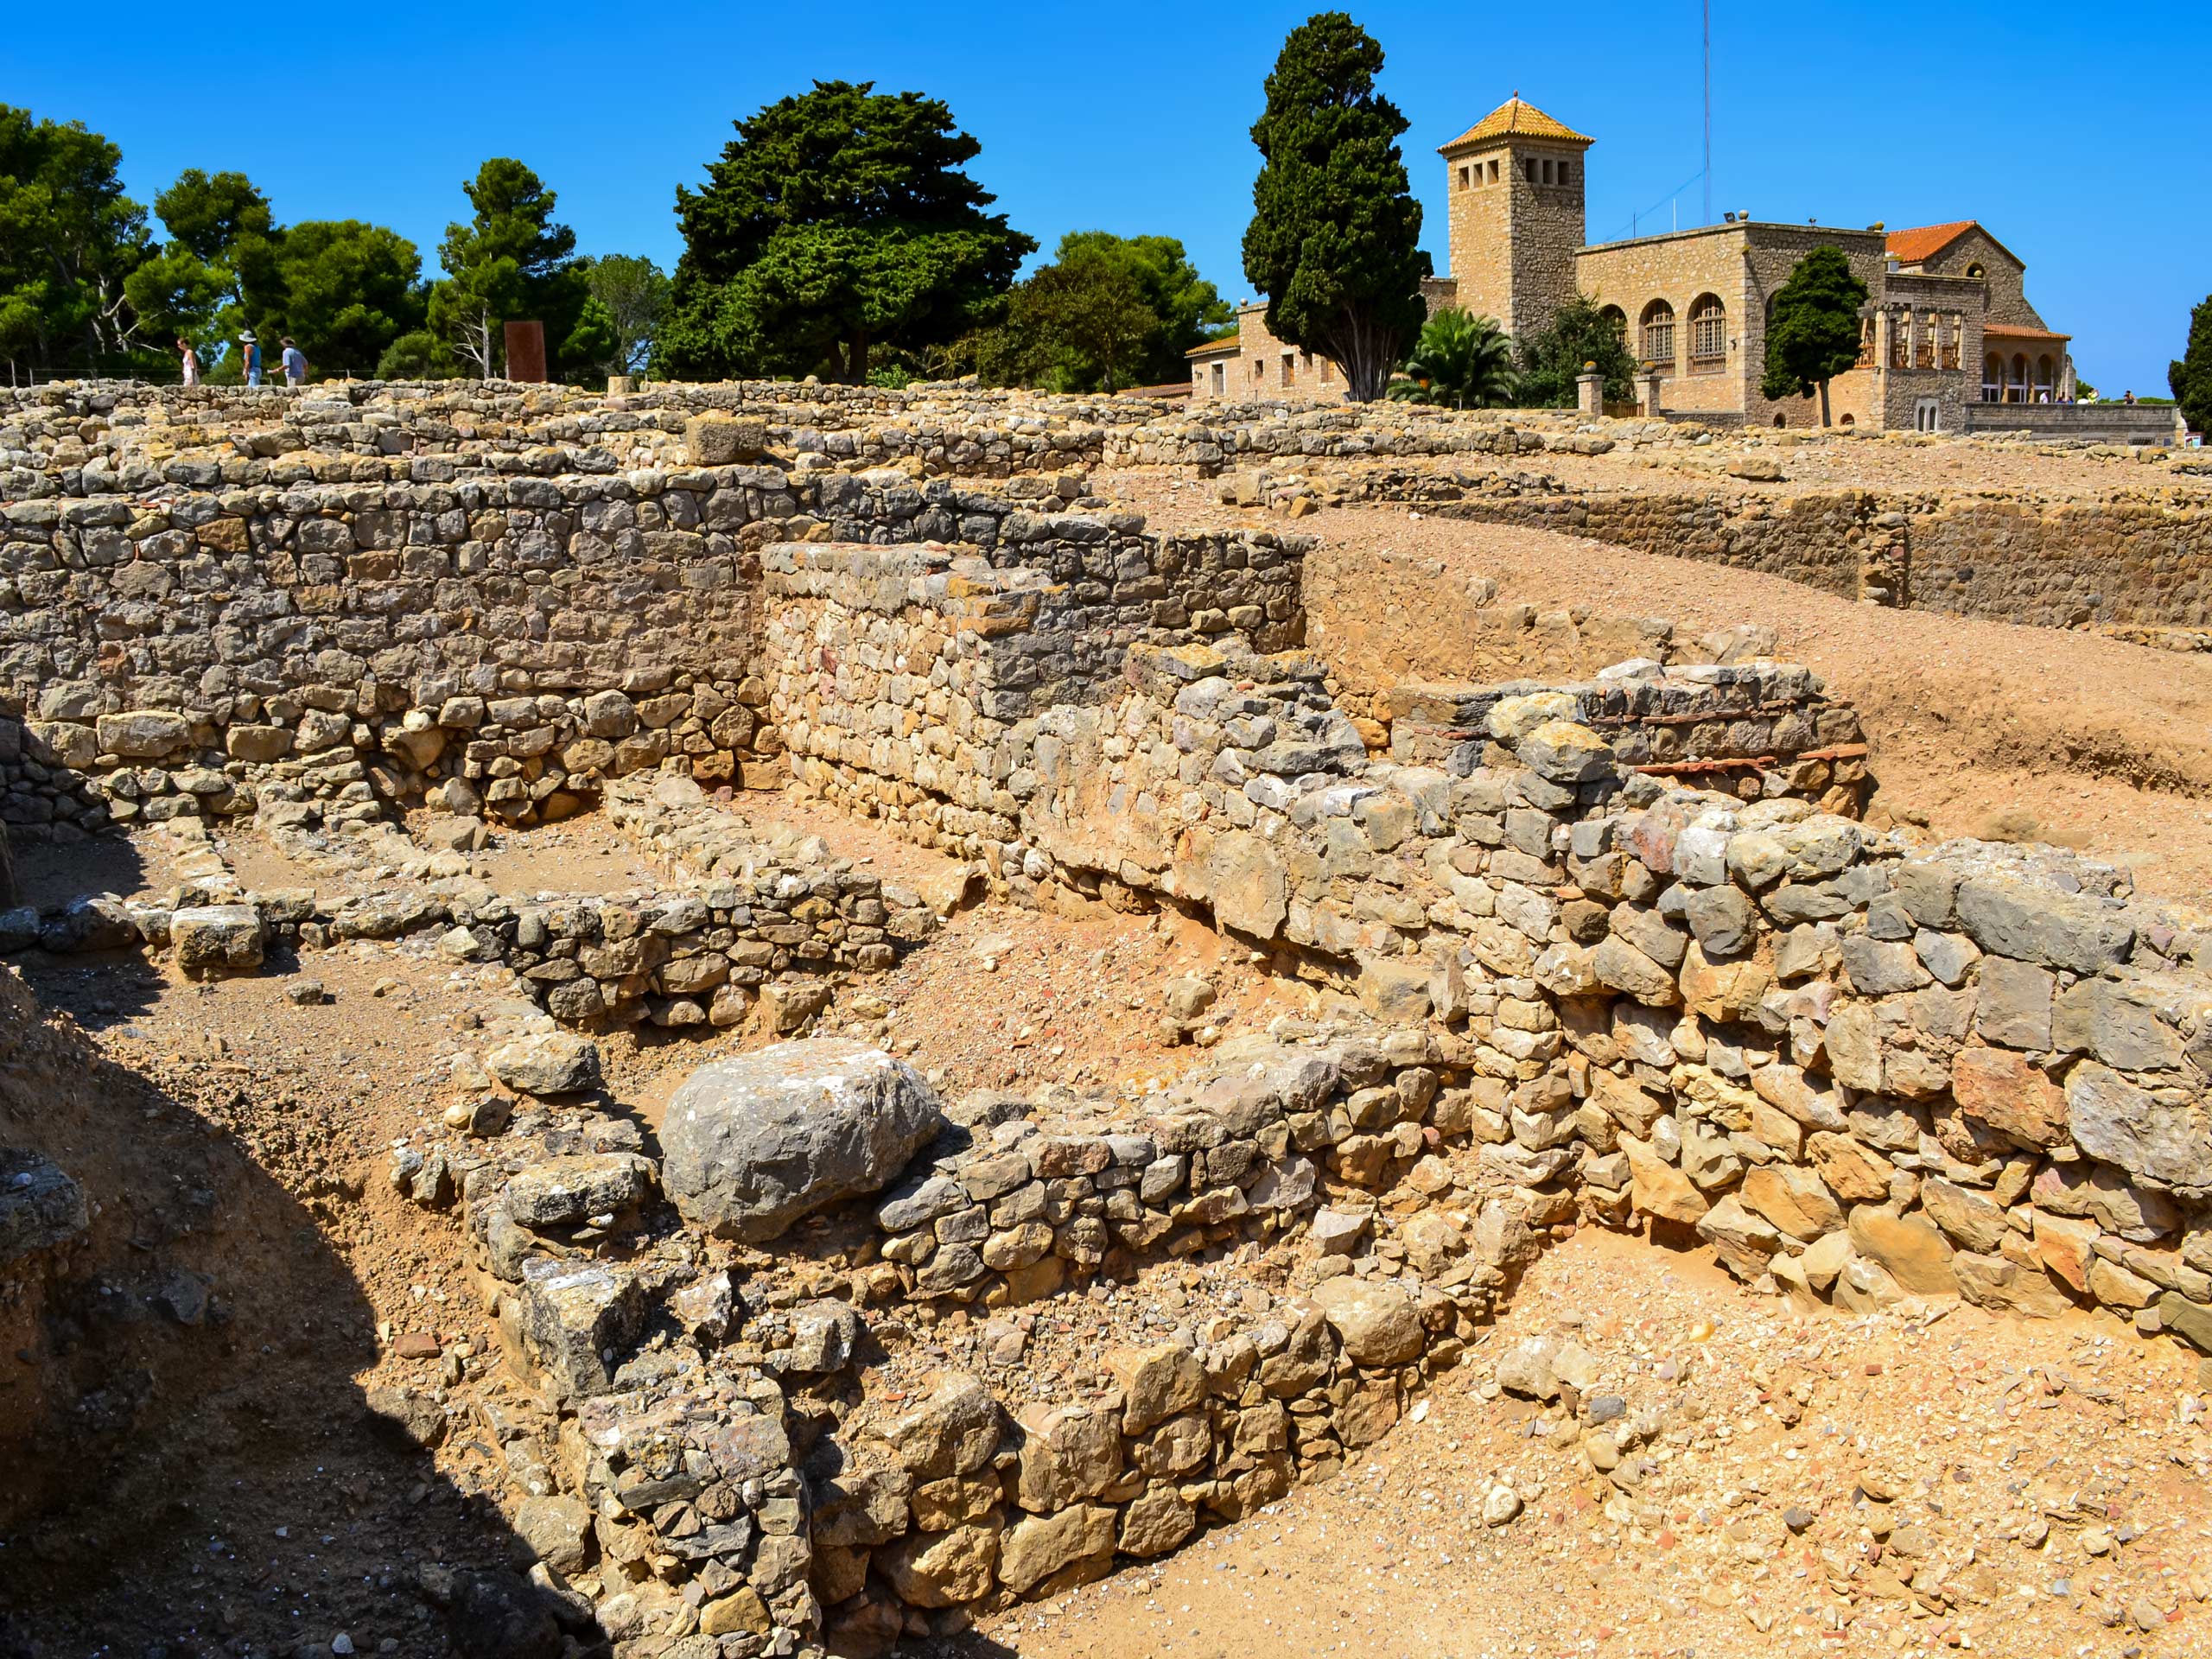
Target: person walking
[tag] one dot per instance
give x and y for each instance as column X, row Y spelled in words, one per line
column 250, row 349
column 190, row 360
column 294, row 363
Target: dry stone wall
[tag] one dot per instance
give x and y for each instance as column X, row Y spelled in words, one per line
column 1722, row 998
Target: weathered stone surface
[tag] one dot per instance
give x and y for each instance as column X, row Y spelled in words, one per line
column 1156, row 1383
column 216, row 938
column 1247, row 884
column 1530, row 1368
column 40, row 1205
column 565, row 1191
column 1377, row 1323
column 1793, row 1198
column 144, row 734
column 2000, row 1283
column 1744, row 1241
column 557, row 1528
column 2006, row 1091
column 1038, row 1547
column 1911, row 1247
column 572, row 1318
column 546, row 1062
column 2067, row 1246
column 1657, row 1187
column 1156, row 1522
column 1965, row 1214
column 2010, row 916
column 754, row 1143
column 2169, row 1141
column 952, row 1430
column 1067, row 1453
column 941, row 1569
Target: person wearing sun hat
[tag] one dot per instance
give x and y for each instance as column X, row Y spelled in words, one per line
column 250, row 350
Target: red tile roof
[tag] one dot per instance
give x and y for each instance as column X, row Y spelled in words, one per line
column 1206, row 348
column 1926, row 241
column 1516, row 119
column 2013, row 331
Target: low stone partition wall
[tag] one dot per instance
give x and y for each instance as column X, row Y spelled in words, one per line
column 2129, row 561
column 1759, row 730
column 747, row 1447
column 752, row 923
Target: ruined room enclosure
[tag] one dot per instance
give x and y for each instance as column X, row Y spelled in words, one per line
column 1197, row 1047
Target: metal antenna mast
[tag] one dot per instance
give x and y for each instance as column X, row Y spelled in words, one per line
column 1708, row 111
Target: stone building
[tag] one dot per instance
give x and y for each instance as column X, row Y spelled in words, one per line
column 1947, row 324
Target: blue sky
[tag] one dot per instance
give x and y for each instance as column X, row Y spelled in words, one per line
column 2062, row 127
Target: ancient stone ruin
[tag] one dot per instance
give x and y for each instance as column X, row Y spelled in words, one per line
column 1619, row 951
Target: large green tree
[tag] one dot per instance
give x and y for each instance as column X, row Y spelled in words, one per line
column 1185, row 306
column 1460, row 361
column 1080, row 324
column 1335, row 238
column 350, row 289
column 2190, row 378
column 837, row 220
column 219, row 271
column 511, row 261
column 1548, row 362
column 1812, row 330
column 633, row 292
column 69, row 240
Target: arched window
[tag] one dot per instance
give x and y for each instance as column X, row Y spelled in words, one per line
column 1992, row 379
column 1615, row 319
column 1846, row 419
column 1975, row 270
column 1659, row 332
column 2019, row 388
column 2046, row 373
column 1708, row 334
column 1781, row 419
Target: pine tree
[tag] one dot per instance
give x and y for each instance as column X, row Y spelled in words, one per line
column 1812, row 333
column 1335, row 237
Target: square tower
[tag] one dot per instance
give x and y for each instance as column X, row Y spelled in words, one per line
column 1513, row 180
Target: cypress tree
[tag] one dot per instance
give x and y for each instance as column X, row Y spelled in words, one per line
column 1813, row 334
column 2190, row 379
column 1335, row 238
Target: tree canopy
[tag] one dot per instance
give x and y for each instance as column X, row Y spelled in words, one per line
column 1335, row 237
column 836, row 219
column 511, row 260
column 1549, row 361
column 2189, row 377
column 1812, row 330
column 1108, row 313
column 69, row 240
column 632, row 292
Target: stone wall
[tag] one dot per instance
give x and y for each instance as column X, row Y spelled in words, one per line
column 1982, row 1017
column 2056, row 565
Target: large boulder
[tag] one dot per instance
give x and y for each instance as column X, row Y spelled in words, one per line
column 751, row 1145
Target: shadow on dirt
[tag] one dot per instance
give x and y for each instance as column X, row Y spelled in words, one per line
column 192, row 1468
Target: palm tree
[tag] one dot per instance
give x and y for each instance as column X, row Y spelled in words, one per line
column 1461, row 361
